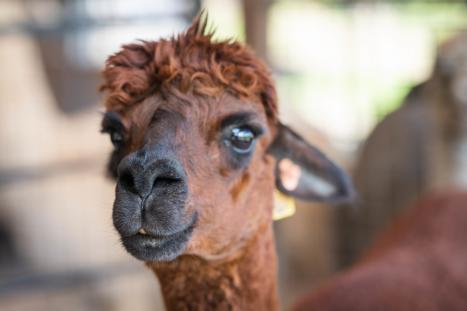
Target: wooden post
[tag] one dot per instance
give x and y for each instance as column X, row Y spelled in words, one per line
column 255, row 13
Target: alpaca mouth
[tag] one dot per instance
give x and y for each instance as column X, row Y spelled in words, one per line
column 149, row 247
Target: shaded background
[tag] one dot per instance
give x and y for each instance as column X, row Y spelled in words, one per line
column 342, row 68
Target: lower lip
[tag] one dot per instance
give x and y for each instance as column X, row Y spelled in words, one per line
column 158, row 248
column 147, row 240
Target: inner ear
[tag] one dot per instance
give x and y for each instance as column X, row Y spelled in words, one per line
column 304, row 172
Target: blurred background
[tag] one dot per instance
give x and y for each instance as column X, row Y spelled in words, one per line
column 381, row 86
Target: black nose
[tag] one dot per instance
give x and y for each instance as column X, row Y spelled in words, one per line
column 152, row 194
column 142, row 176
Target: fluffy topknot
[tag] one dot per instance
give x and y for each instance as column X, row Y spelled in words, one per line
column 191, row 63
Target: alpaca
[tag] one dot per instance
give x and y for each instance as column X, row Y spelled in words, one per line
column 419, row 264
column 418, row 148
column 198, row 151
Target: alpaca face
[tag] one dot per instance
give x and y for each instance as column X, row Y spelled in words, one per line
column 452, row 67
column 193, row 175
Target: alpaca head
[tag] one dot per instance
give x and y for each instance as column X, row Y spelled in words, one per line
column 198, row 148
column 451, row 66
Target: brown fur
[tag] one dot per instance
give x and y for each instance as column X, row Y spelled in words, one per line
column 418, row 264
column 190, row 81
column 246, row 282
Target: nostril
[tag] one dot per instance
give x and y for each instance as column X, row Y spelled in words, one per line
column 127, row 181
column 165, row 181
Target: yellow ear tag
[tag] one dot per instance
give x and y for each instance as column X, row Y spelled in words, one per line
column 284, row 206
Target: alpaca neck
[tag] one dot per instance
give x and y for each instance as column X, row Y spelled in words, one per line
column 245, row 282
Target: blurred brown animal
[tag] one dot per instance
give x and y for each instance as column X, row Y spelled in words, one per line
column 198, row 148
column 419, row 264
column 418, row 148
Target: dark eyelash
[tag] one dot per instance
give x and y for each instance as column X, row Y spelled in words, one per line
column 256, row 129
column 243, row 119
column 106, row 130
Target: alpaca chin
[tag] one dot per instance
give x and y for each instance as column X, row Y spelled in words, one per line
column 157, row 248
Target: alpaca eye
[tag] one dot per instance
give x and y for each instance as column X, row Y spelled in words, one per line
column 242, row 139
column 117, row 139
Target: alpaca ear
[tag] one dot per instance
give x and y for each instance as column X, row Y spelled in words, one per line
column 303, row 172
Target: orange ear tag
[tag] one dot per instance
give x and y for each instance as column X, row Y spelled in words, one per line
column 284, row 206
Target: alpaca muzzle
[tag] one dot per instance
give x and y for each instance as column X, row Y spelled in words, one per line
column 150, row 207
